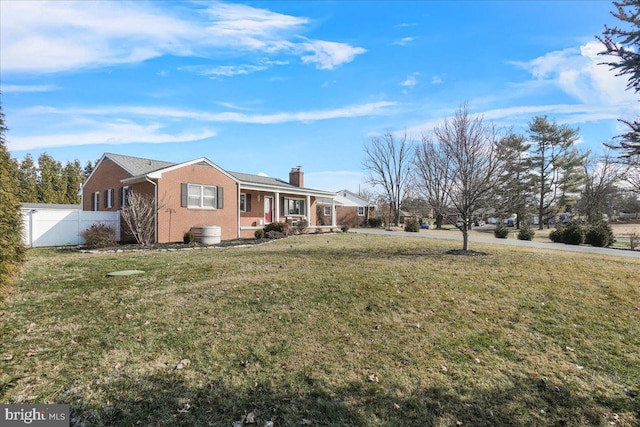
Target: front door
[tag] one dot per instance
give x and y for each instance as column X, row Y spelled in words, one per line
column 268, row 210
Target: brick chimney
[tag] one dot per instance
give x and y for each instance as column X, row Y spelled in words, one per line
column 296, row 176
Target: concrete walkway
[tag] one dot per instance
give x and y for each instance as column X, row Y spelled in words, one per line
column 473, row 237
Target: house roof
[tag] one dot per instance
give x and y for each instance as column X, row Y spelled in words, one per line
column 137, row 165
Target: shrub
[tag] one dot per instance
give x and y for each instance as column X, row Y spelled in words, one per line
column 188, row 237
column 282, row 227
column 599, row 234
column 344, row 228
column 259, row 234
column 556, row 235
column 302, row 225
column 526, row 233
column 573, row 234
column 375, row 222
column 501, row 232
column 100, row 236
column 412, row 226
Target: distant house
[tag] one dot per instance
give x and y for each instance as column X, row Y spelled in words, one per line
column 199, row 192
column 348, row 208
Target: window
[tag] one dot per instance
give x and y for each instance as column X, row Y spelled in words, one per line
column 201, row 196
column 294, row 207
column 327, row 211
column 95, row 201
column 245, row 202
column 124, row 197
column 361, row 211
column 108, row 198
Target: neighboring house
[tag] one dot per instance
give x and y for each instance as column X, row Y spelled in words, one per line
column 198, row 193
column 348, row 209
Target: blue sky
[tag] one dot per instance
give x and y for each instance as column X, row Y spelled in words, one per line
column 265, row 86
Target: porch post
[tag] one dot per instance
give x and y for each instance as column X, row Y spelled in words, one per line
column 333, row 212
column 308, row 213
column 277, row 206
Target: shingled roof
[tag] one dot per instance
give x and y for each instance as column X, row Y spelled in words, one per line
column 137, row 165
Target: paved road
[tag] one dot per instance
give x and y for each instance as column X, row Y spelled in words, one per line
column 457, row 235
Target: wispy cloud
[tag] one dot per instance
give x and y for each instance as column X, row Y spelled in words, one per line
column 104, row 125
column 404, row 41
column 411, row 80
column 67, row 36
column 230, row 70
column 436, row 80
column 27, row 88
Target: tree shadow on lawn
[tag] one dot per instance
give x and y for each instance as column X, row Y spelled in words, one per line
column 166, row 400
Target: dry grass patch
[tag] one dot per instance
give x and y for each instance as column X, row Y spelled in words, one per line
column 332, row 330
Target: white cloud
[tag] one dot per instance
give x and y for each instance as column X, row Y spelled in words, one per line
column 27, row 88
column 436, row 80
column 107, row 133
column 104, row 125
column 329, row 55
column 579, row 73
column 67, row 36
column 404, row 41
column 411, row 80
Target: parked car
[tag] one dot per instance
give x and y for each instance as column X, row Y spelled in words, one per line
column 424, row 225
column 478, row 222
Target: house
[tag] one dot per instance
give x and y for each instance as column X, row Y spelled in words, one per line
column 200, row 193
column 348, row 208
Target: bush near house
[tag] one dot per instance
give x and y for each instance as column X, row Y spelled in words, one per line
column 277, row 230
column 501, row 232
column 375, row 222
column 100, row 236
column 599, row 234
column 573, row 234
column 526, row 233
column 412, row 225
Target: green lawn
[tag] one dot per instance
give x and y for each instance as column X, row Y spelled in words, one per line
column 321, row 330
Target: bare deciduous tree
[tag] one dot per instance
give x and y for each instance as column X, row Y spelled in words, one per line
column 140, row 217
column 602, row 176
column 463, row 154
column 388, row 163
column 432, row 174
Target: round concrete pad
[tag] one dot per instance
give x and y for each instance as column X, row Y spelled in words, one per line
column 124, row 273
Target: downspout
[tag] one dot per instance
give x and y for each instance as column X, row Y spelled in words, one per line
column 238, row 209
column 155, row 214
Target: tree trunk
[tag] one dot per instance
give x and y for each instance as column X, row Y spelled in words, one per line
column 465, row 239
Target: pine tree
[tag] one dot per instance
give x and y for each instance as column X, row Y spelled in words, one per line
column 74, row 176
column 552, row 159
column 515, row 189
column 52, row 185
column 28, row 178
column 11, row 248
column 624, row 44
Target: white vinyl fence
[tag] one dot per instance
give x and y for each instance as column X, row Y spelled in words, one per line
column 61, row 225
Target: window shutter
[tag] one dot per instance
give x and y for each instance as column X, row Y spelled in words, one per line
column 112, row 195
column 106, row 198
column 184, row 195
column 220, row 198
column 93, row 202
column 97, row 201
column 247, row 203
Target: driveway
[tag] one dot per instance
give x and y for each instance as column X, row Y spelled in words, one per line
column 473, row 237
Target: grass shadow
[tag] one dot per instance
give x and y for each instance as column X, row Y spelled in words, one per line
column 168, row 400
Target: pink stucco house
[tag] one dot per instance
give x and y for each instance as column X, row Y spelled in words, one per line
column 198, row 193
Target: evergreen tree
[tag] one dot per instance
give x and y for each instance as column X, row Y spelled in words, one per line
column 515, row 189
column 52, row 185
column 623, row 43
column 11, row 247
column 553, row 158
column 74, row 175
column 28, row 179
column 88, row 168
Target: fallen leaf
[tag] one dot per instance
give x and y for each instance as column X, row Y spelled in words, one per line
column 250, row 418
column 268, row 424
column 444, row 369
column 183, row 364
